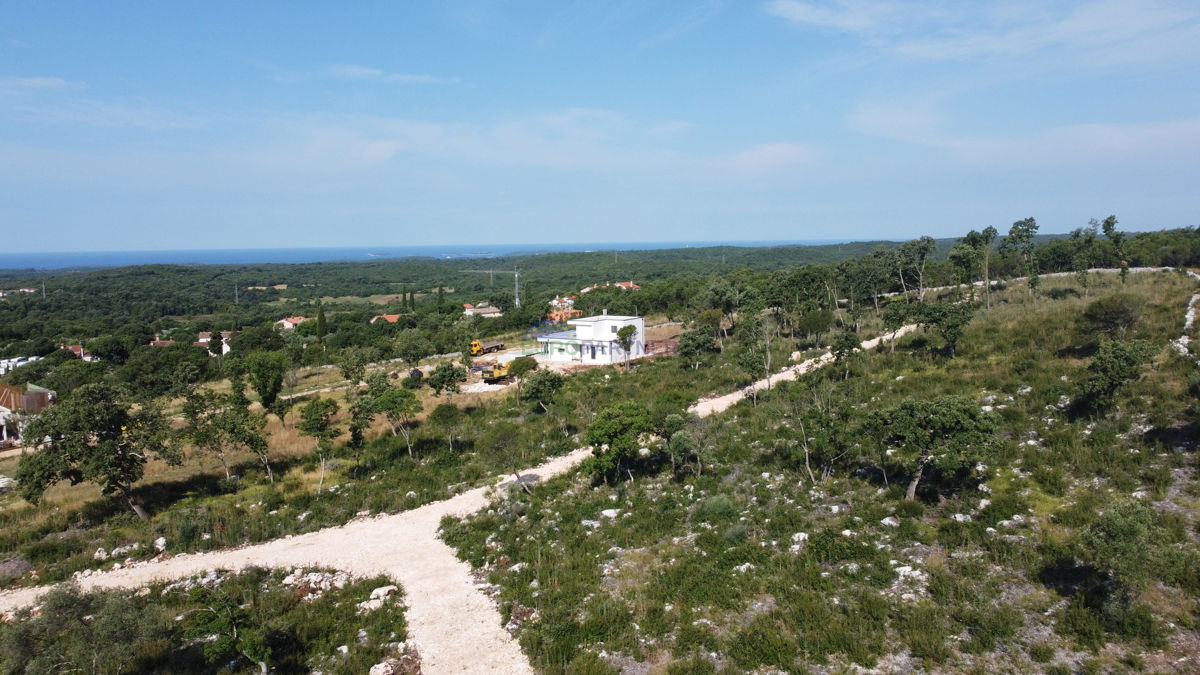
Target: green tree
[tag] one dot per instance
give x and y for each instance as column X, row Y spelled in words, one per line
column 1112, row 315
column 895, row 316
column 266, row 371
column 447, row 377
column 1122, row 541
column 1020, row 240
column 322, row 328
column 816, row 323
column 353, row 364
column 948, row 433
column 542, row 387
column 96, row 436
column 1083, row 240
column 751, row 361
column 317, row 422
column 981, row 244
column 412, row 346
column 916, row 254
column 613, row 436
column 1114, row 365
column 233, row 626
column 522, row 366
column 503, row 442
column 693, row 345
column 400, row 407
column 845, row 343
column 446, row 416
column 949, row 319
column 625, row 337
column 204, row 412
column 1109, row 226
column 711, row 320
column 965, row 257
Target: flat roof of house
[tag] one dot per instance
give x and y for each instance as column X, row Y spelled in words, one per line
column 602, row 317
column 570, row 335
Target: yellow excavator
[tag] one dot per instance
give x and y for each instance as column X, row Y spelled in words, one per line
column 479, row 348
column 495, row 373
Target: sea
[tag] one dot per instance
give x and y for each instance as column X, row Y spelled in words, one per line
column 245, row 256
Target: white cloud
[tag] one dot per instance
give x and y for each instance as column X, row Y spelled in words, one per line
column 12, row 83
column 769, row 157
column 1103, row 30
column 849, row 15
column 1096, row 146
column 356, row 72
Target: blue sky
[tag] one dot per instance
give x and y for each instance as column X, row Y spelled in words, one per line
column 149, row 125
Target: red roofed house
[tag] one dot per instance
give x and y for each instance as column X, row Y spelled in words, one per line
column 390, row 318
column 159, row 342
column 80, row 352
column 563, row 309
column 623, row 285
column 290, row 322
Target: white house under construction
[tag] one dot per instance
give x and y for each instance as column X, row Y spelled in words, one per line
column 592, row 340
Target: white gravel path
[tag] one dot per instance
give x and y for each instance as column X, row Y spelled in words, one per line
column 723, row 403
column 453, row 626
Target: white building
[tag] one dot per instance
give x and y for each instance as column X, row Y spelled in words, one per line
column 592, row 340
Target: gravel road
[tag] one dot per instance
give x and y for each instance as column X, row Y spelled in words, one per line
column 723, row 403
column 453, row 626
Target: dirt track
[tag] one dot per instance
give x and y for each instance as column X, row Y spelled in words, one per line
column 454, row 627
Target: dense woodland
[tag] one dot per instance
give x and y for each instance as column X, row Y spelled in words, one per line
column 1011, row 488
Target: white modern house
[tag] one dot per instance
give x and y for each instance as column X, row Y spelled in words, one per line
column 592, row 340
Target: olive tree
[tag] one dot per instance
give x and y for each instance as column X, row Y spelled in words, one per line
column 96, row 436
column 542, row 387
column 317, row 422
column 948, row 433
column 613, row 436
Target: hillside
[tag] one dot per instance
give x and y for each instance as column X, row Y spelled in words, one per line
column 1064, row 541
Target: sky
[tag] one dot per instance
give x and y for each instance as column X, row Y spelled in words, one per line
column 149, row 125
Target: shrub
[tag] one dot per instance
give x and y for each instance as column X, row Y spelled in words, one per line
column 52, row 550
column 1040, row 652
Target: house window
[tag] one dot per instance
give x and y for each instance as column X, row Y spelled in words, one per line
column 614, row 328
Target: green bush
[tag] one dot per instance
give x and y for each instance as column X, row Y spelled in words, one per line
column 1040, row 652
column 52, row 550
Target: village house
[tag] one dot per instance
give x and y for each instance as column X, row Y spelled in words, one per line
column 390, row 318
column 482, row 309
column 290, row 322
column 79, row 352
column 159, row 342
column 563, row 309
column 623, row 285
column 593, row 340
column 205, row 339
column 15, row 401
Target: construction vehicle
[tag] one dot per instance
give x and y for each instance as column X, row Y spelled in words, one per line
column 495, row 373
column 479, row 348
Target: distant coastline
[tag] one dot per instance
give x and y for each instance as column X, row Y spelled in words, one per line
column 250, row 256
